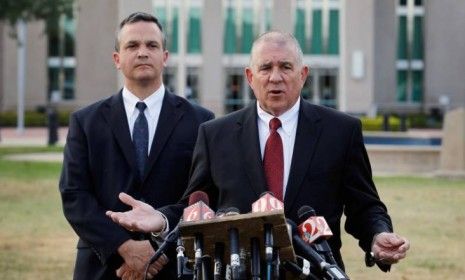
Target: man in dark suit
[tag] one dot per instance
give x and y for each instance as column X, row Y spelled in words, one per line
column 305, row 154
column 139, row 141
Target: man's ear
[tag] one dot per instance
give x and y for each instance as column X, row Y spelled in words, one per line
column 249, row 75
column 116, row 59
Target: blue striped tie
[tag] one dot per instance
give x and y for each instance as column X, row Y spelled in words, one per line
column 140, row 138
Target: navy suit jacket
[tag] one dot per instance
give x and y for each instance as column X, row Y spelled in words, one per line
column 330, row 171
column 99, row 163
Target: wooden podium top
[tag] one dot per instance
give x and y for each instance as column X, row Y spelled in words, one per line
column 249, row 226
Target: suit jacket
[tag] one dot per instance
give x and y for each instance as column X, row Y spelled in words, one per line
column 330, row 171
column 99, row 163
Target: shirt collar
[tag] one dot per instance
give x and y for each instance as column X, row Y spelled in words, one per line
column 288, row 119
column 151, row 101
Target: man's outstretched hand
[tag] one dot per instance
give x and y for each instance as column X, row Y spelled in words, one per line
column 142, row 217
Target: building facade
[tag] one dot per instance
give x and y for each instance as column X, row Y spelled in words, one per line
column 365, row 56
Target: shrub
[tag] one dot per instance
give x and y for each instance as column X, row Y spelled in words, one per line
column 32, row 118
column 376, row 124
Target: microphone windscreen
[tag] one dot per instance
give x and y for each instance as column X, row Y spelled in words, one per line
column 305, row 212
column 198, row 196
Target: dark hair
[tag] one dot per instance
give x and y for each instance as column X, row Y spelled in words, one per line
column 136, row 17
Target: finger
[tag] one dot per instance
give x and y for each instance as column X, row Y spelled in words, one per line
column 153, row 270
column 127, row 199
column 164, row 259
column 149, row 275
column 119, row 271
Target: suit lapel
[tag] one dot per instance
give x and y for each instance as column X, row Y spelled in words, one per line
column 248, row 139
column 307, row 134
column 115, row 115
column 170, row 114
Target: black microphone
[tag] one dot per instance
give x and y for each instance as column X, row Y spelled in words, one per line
column 255, row 258
column 329, row 271
column 320, row 232
column 196, row 211
column 218, row 263
column 301, row 269
column 235, row 261
column 268, row 203
column 180, row 257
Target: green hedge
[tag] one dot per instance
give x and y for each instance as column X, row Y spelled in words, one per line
column 376, row 124
column 32, row 118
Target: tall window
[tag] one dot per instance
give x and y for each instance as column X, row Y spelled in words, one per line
column 410, row 48
column 243, row 21
column 61, row 59
column 168, row 13
column 316, row 26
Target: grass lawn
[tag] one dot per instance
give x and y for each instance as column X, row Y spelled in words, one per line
column 36, row 242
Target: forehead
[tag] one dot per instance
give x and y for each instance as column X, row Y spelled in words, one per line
column 140, row 31
column 274, row 51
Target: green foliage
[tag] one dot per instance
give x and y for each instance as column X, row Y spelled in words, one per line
column 376, row 124
column 32, row 118
column 49, row 10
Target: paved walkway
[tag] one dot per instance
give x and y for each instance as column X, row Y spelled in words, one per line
column 37, row 137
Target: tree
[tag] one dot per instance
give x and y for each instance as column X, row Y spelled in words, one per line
column 16, row 13
column 50, row 11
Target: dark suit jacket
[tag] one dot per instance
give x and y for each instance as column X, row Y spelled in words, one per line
column 330, row 171
column 99, row 163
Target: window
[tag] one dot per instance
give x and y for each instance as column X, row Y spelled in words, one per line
column 230, row 34
column 247, row 30
column 333, row 40
column 61, row 59
column 194, row 31
column 410, row 51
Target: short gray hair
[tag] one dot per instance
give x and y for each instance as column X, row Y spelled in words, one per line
column 277, row 37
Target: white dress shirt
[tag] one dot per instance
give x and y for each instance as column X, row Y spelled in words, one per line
column 287, row 131
column 152, row 112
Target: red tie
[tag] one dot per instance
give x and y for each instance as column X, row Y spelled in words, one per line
column 273, row 160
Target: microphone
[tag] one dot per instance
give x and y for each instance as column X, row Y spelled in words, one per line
column 300, row 269
column 196, row 211
column 218, row 264
column 180, row 257
column 198, row 208
column 329, row 271
column 315, row 230
column 312, row 227
column 235, row 261
column 218, row 261
column 267, row 203
column 255, row 258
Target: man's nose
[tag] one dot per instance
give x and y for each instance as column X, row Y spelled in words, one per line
column 142, row 52
column 275, row 75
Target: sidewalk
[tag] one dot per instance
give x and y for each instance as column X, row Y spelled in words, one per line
column 38, row 137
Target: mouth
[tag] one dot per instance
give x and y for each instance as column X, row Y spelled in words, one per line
column 275, row 92
column 143, row 66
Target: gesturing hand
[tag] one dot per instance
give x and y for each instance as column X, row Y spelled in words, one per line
column 142, row 217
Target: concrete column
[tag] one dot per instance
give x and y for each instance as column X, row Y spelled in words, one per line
column 282, row 18
column 96, row 75
column 452, row 163
column 356, row 41
column 212, row 89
